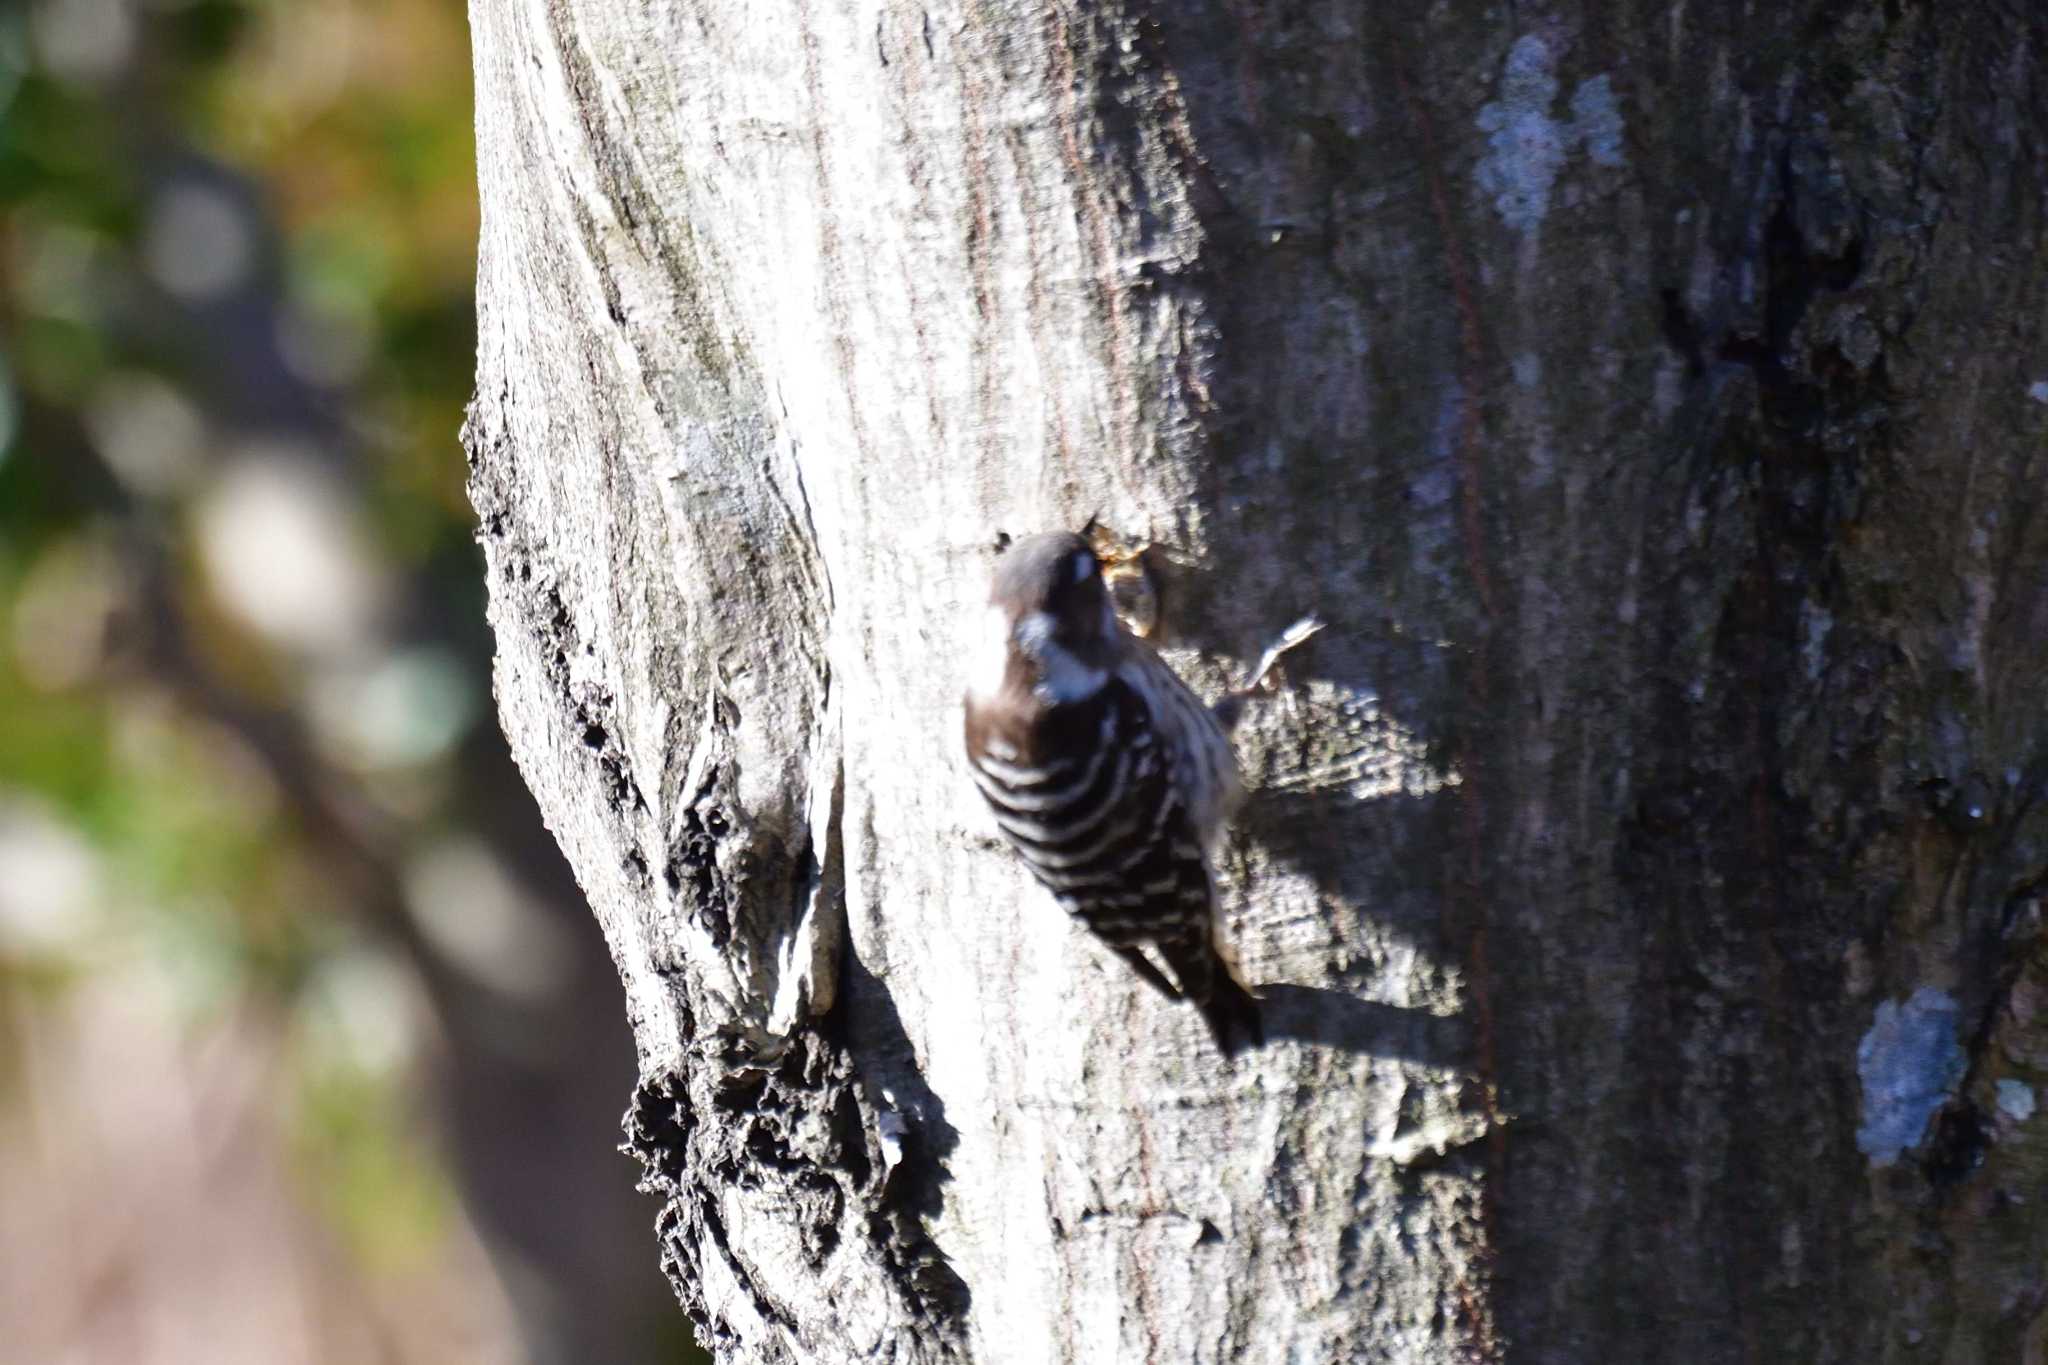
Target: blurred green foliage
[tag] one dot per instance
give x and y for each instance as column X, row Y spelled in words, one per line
column 244, row 664
column 350, row 125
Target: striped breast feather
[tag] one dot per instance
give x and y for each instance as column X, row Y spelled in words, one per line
column 1106, row 831
column 1030, row 789
column 1155, row 883
column 1205, row 767
column 1166, row 894
column 1073, row 788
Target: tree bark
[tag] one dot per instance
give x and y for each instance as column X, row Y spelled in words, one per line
column 1644, row 867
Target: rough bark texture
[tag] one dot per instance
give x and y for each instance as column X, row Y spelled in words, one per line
column 1647, row 865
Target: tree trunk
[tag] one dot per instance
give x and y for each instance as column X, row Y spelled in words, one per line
column 1643, row 869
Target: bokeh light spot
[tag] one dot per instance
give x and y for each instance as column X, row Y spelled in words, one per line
column 283, row 551
column 198, row 243
column 85, row 42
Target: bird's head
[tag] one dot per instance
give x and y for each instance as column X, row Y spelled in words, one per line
column 1051, row 623
column 1050, row 586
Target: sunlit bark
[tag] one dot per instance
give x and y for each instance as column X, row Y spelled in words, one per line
column 1644, row 865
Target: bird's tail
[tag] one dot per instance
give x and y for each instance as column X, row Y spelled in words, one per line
column 1208, row 982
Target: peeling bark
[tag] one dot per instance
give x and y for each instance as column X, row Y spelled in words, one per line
column 1651, row 398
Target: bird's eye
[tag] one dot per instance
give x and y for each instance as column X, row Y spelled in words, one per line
column 1084, row 565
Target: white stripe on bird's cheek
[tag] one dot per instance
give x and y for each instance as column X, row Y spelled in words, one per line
column 1061, row 677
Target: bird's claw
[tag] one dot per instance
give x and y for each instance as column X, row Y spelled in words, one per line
column 1262, row 677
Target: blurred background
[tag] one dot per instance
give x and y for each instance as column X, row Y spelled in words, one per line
column 308, row 1048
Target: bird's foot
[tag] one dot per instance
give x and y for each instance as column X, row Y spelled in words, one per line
column 1262, row 679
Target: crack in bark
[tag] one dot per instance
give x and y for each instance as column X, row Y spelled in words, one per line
column 798, row 1133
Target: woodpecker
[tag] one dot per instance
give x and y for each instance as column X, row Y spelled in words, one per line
column 1108, row 775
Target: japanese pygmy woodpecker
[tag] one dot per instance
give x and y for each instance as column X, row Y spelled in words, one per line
column 1108, row 775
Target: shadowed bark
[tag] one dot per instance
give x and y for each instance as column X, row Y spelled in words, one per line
column 1644, row 865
